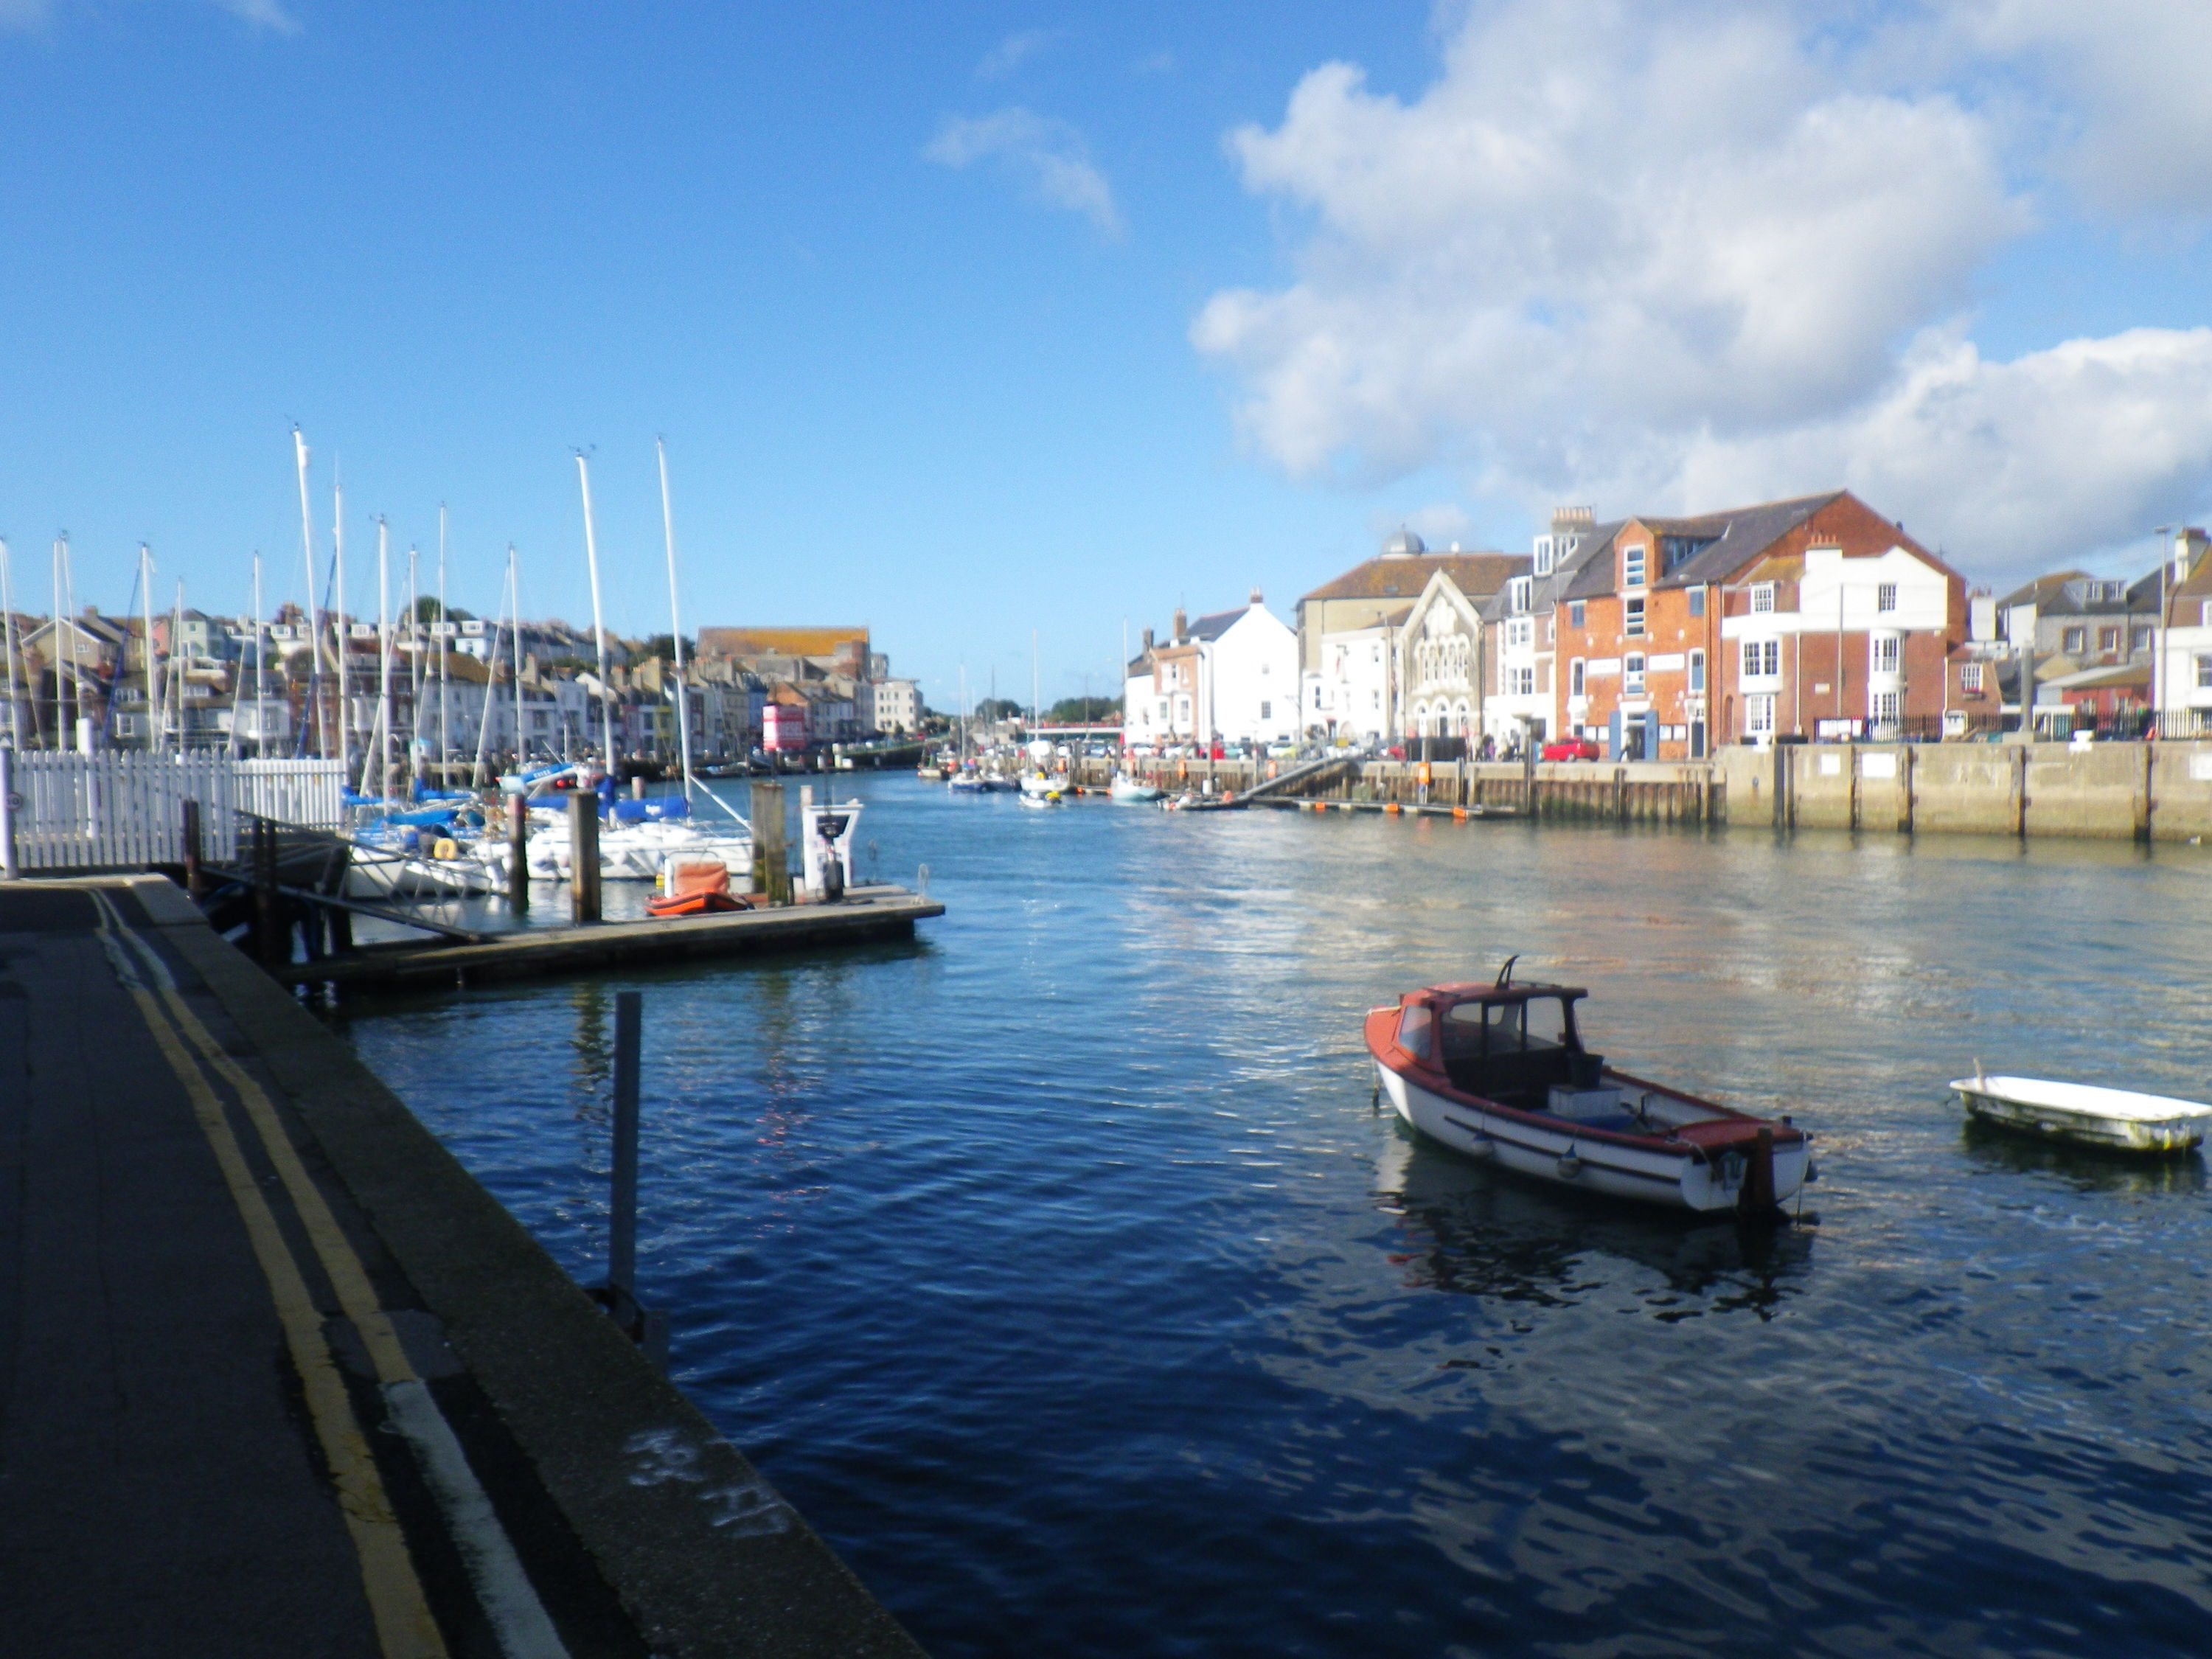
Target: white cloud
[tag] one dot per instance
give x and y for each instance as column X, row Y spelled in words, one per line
column 27, row 14
column 1668, row 256
column 1010, row 53
column 262, row 14
column 1048, row 156
column 2015, row 465
column 2128, row 81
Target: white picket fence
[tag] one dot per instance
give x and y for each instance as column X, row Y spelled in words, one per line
column 125, row 811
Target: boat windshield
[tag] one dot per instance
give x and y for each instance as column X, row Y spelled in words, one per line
column 1510, row 1051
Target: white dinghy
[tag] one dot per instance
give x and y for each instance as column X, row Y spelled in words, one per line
column 2117, row 1118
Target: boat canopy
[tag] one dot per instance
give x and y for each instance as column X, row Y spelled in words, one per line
column 1510, row 1043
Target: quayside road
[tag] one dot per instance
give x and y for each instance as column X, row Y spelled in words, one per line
column 278, row 1377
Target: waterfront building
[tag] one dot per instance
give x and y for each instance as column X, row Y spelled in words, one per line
column 897, row 705
column 2185, row 662
column 1440, row 662
column 783, row 721
column 1520, row 624
column 2091, row 621
column 1232, row 678
column 1350, row 695
column 1381, row 592
column 1813, row 618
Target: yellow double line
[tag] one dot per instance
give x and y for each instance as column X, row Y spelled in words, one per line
column 404, row 1628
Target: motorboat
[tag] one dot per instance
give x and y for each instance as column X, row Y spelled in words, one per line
column 2119, row 1119
column 1499, row 1072
column 965, row 783
column 1042, row 799
column 1037, row 783
column 372, row 872
column 1130, row 792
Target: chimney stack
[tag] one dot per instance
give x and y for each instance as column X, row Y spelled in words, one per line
column 1148, row 641
column 1181, row 624
column 1256, row 600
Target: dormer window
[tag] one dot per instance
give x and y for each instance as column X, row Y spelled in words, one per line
column 1631, row 565
column 1543, row 555
column 1517, row 593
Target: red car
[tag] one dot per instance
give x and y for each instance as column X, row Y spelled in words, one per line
column 1569, row 749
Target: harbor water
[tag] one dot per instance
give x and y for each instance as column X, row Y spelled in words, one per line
column 1058, row 1269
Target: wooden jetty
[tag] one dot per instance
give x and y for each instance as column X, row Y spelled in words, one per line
column 864, row 914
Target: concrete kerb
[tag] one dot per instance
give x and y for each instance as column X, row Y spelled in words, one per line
column 706, row 1557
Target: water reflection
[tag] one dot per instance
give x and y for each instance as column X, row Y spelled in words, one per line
column 1477, row 1230
column 1057, row 1268
column 2083, row 1169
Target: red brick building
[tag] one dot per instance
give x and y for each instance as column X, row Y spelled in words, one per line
column 1814, row 617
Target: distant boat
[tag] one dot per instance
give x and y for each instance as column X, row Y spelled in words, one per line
column 1129, row 791
column 2117, row 1118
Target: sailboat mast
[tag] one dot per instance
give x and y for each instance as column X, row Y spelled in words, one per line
column 514, row 643
column 260, row 662
column 146, row 629
column 383, row 658
column 177, row 633
column 338, row 625
column 62, row 738
column 315, row 624
column 675, row 622
column 598, row 619
column 445, row 636
column 414, row 666
column 15, row 662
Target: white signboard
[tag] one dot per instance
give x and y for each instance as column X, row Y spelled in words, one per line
column 1877, row 766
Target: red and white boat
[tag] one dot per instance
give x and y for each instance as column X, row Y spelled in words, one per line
column 1499, row 1072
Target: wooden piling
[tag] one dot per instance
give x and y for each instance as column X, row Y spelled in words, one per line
column 517, row 861
column 583, row 856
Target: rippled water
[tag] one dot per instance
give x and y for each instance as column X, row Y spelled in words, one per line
column 1057, row 1268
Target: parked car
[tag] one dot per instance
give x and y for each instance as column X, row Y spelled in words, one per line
column 1569, row 749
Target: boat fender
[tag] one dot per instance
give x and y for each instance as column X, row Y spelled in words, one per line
column 1569, row 1167
column 1484, row 1147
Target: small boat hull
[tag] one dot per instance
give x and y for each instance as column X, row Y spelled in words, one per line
column 1567, row 1157
column 2116, row 1119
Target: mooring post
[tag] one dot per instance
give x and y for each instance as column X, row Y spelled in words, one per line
column 771, row 866
column 8, row 868
column 583, row 856
column 272, row 938
column 622, row 1229
column 192, row 848
column 517, row 851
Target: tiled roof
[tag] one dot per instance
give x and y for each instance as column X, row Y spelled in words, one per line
column 1478, row 575
column 779, row 641
column 1213, row 627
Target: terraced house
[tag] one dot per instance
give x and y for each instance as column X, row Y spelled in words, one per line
column 1809, row 618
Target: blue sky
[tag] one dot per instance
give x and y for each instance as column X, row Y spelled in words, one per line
column 963, row 321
